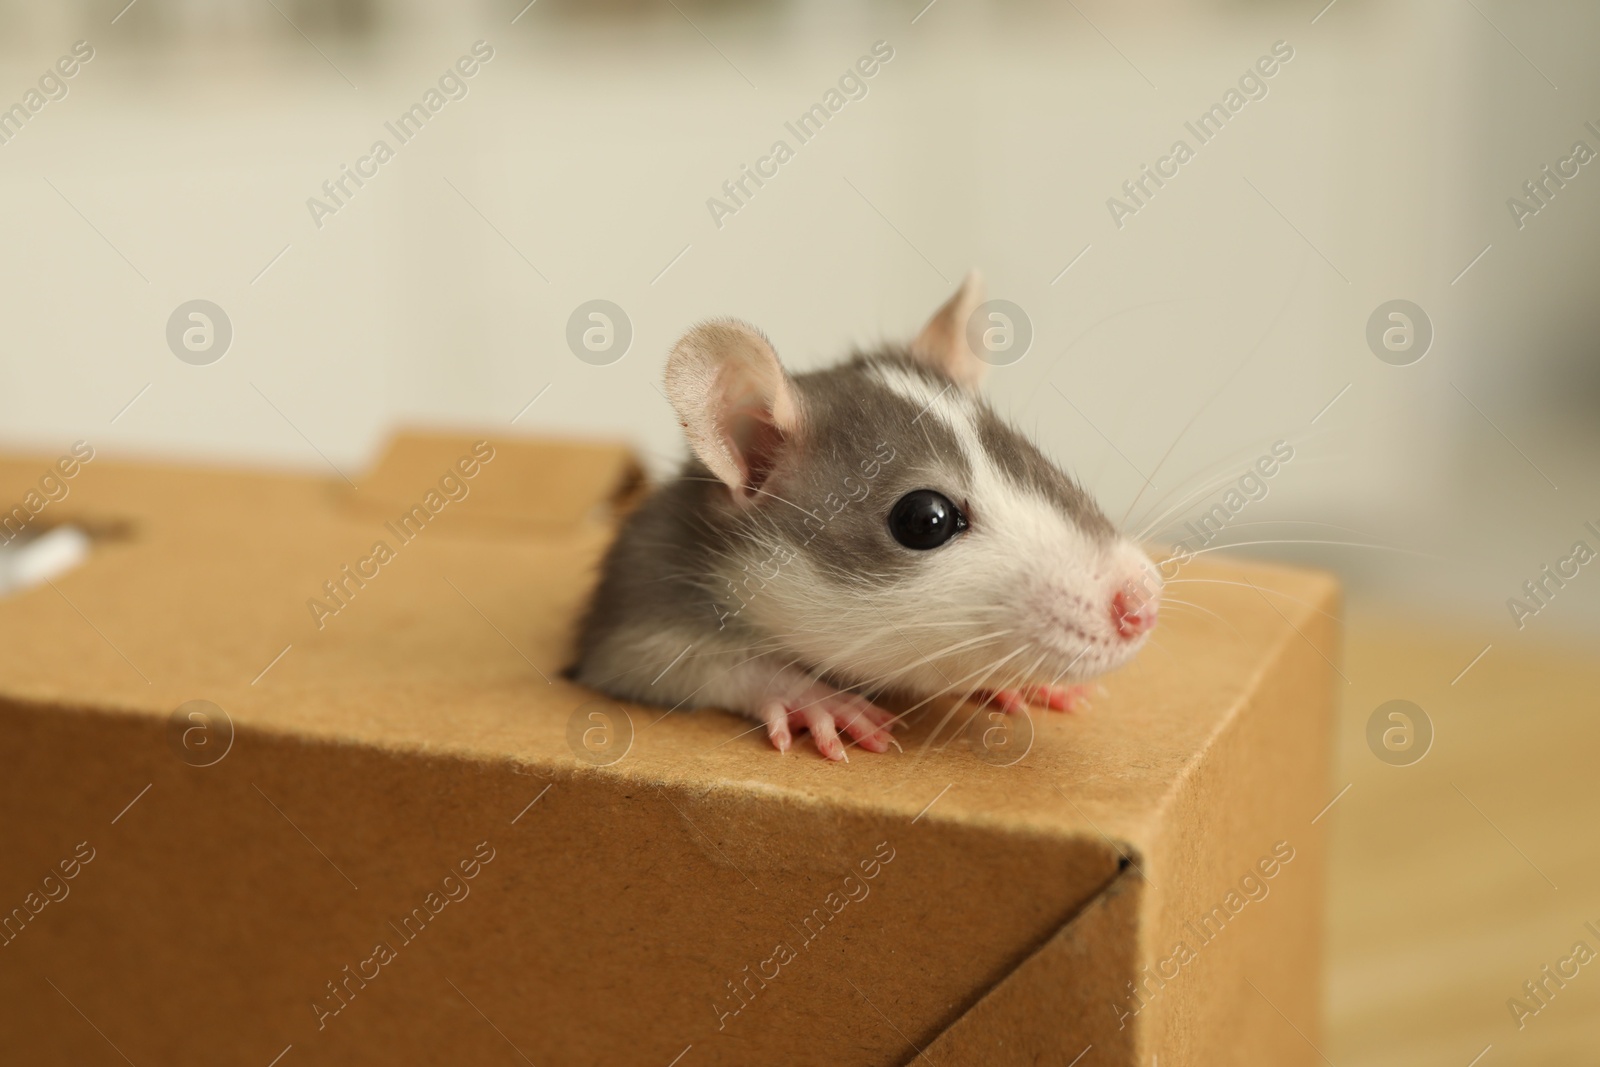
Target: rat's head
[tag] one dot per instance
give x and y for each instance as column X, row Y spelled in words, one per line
column 892, row 528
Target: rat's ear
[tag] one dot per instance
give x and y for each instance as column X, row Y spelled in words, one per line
column 734, row 400
column 942, row 344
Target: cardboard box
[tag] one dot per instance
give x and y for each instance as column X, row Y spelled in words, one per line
column 394, row 834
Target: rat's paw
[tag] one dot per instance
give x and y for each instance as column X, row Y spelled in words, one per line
column 1054, row 697
column 825, row 711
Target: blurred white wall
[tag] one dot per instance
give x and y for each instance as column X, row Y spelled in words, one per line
column 1231, row 308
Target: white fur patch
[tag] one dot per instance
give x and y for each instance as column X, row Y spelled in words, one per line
column 1023, row 597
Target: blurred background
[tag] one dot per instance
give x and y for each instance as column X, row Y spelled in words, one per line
column 1174, row 338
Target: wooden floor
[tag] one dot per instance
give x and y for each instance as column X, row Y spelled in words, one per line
column 1456, row 879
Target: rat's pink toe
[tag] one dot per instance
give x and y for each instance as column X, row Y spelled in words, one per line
column 1054, row 697
column 879, row 716
column 776, row 716
column 863, row 721
column 1010, row 701
column 835, row 718
column 867, row 734
column 826, row 736
column 1064, row 697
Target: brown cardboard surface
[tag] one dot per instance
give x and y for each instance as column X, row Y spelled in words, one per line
column 424, row 724
column 534, row 491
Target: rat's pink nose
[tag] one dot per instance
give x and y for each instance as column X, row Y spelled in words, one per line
column 1133, row 613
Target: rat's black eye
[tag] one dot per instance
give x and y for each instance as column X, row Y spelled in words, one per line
column 924, row 519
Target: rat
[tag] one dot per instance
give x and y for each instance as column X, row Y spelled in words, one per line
column 868, row 529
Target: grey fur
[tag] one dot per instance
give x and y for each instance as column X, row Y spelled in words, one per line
column 668, row 581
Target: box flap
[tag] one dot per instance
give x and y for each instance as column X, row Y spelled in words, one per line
column 538, row 486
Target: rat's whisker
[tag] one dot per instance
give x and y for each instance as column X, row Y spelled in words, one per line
column 1299, row 522
column 952, row 687
column 1302, row 541
column 972, row 690
column 1211, row 484
column 1259, row 588
column 1221, row 479
column 978, row 710
column 959, row 645
column 1215, row 483
column 963, row 646
column 1212, row 399
column 1174, row 602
